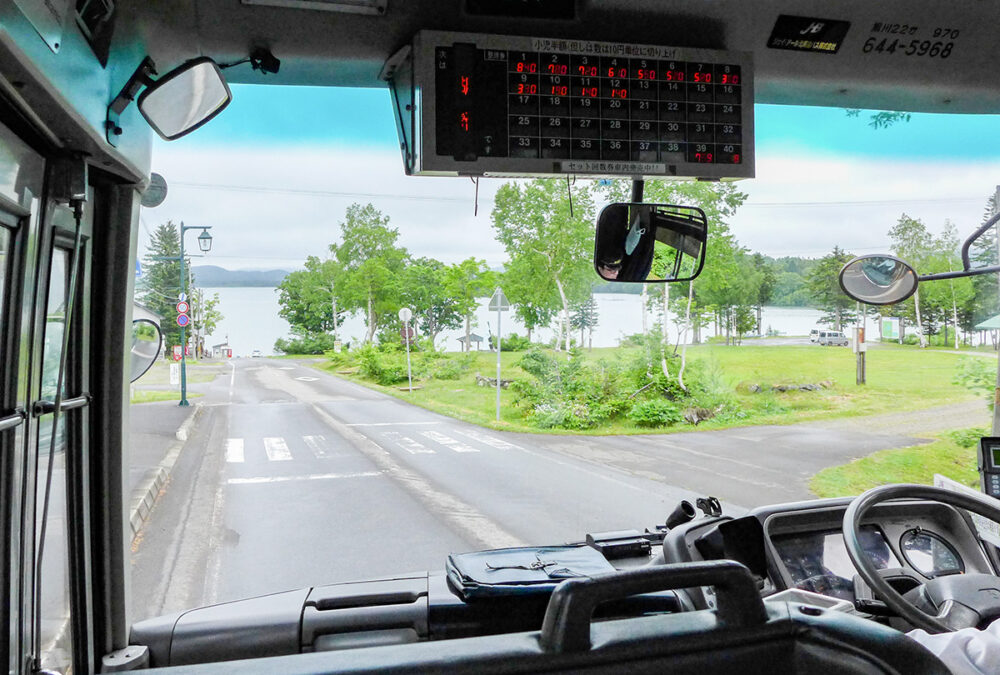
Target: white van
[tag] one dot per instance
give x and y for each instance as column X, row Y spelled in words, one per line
column 832, row 337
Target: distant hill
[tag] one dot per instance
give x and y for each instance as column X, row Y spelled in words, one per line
column 212, row 276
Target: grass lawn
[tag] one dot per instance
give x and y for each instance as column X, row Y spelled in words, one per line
column 898, row 380
column 916, row 464
column 151, row 395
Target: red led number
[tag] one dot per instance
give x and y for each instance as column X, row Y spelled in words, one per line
column 558, row 69
column 703, row 157
column 465, row 85
column 559, row 91
column 646, row 74
column 730, row 79
column 463, row 121
column 619, row 93
column 523, row 67
column 703, row 77
column 527, row 89
column 587, row 71
column 588, row 91
column 675, row 75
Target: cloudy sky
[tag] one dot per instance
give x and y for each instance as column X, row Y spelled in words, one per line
column 274, row 173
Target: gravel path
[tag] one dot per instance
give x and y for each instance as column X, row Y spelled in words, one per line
column 916, row 422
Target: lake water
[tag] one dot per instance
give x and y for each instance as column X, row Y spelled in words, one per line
column 252, row 322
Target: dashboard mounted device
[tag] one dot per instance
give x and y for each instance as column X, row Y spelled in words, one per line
column 495, row 105
column 989, row 465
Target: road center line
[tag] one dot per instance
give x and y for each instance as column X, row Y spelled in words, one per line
column 286, row 479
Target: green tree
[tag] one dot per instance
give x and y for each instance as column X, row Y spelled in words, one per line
column 426, row 292
column 306, row 297
column 369, row 261
column 546, row 244
column 465, row 283
column 584, row 318
column 913, row 243
column 824, row 287
column 160, row 282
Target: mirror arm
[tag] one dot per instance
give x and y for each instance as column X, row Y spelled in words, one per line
column 139, row 79
column 638, row 186
column 966, row 265
column 960, row 274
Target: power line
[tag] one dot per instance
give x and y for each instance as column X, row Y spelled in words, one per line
column 320, row 193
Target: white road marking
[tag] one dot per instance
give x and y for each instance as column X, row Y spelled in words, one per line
column 287, row 368
column 286, row 479
column 406, row 443
column 307, row 379
column 232, row 379
column 448, row 441
column 317, row 444
column 486, row 439
column 277, row 450
column 388, row 424
column 234, row 450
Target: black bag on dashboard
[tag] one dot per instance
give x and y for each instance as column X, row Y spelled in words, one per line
column 505, row 572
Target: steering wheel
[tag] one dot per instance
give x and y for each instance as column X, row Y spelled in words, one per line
column 959, row 600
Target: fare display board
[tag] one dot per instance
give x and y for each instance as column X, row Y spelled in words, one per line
column 500, row 105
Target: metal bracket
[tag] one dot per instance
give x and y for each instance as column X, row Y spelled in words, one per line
column 139, row 79
column 132, row 657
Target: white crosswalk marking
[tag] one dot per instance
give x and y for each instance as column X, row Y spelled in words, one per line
column 317, row 444
column 234, row 450
column 448, row 441
column 406, row 443
column 277, row 450
column 486, row 439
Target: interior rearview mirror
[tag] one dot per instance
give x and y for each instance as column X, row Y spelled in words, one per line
column 650, row 242
column 185, row 98
column 878, row 280
column 147, row 340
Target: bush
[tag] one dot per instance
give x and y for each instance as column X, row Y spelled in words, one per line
column 381, row 368
column 511, row 343
column 977, row 374
column 655, row 413
column 967, row 438
column 451, row 368
column 305, row 343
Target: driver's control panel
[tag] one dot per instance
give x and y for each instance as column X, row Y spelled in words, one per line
column 989, row 465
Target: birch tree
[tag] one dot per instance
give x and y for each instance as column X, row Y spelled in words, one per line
column 543, row 238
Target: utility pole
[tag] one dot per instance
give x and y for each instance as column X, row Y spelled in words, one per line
column 333, row 304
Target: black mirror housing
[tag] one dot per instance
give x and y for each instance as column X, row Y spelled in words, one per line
column 650, row 243
column 185, row 99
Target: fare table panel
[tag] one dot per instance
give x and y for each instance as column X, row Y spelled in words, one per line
column 490, row 106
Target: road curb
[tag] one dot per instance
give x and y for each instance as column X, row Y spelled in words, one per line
column 144, row 495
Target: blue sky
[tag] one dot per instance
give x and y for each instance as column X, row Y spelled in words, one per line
column 293, row 159
column 353, row 117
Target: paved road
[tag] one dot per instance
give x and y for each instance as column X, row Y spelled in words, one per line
column 296, row 478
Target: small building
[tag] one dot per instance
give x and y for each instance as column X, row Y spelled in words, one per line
column 477, row 339
column 222, row 351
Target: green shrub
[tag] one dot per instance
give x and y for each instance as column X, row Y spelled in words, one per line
column 655, row 413
column 977, row 374
column 384, row 369
column 452, row 367
column 967, row 438
column 305, row 343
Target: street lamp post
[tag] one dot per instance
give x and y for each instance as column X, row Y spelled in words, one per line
column 205, row 244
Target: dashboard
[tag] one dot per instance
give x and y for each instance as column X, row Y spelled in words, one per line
column 800, row 546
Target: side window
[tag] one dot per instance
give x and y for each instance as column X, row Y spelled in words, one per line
column 5, row 242
column 51, row 531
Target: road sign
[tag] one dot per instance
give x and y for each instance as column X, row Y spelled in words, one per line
column 183, row 320
column 405, row 314
column 407, row 332
column 175, row 374
column 499, row 302
column 182, row 297
column 177, row 352
column 182, row 307
column 187, row 350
